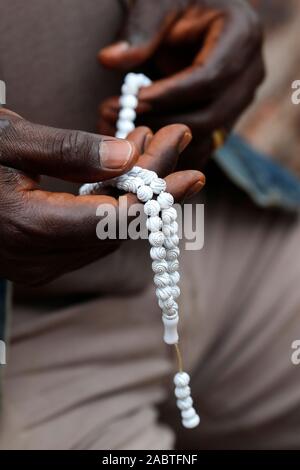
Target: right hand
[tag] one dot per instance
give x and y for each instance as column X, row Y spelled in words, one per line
column 44, row 235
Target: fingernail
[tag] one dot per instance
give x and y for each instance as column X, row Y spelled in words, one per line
column 115, row 154
column 187, row 137
column 193, row 190
column 117, row 48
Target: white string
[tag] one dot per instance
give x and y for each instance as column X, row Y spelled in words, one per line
column 163, row 237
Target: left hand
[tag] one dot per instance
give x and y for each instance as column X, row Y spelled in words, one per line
column 205, row 57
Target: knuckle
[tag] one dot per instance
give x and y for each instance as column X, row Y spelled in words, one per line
column 73, row 146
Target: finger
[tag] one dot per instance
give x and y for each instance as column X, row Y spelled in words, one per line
column 185, row 184
column 164, row 149
column 221, row 111
column 62, row 220
column 66, row 154
column 145, row 28
column 141, row 136
column 190, row 27
column 214, row 65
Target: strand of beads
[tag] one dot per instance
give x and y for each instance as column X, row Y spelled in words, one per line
column 189, row 416
column 125, row 124
column 163, row 238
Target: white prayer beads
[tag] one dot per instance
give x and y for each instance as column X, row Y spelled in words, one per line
column 190, row 419
column 163, row 237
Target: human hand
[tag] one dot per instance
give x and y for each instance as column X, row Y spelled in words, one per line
column 205, row 59
column 44, row 234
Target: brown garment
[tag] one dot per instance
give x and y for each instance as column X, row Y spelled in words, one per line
column 89, row 376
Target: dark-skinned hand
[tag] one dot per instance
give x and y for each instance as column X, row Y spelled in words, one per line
column 44, row 235
column 205, row 59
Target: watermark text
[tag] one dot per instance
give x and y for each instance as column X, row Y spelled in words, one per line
column 2, row 353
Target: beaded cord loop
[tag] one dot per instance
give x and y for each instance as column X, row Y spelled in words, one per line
column 163, row 238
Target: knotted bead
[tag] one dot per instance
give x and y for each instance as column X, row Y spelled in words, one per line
column 172, row 254
column 161, row 280
column 154, row 224
column 182, row 392
column 164, row 293
column 173, row 266
column 167, row 231
column 137, row 79
column 131, row 184
column 174, row 227
column 158, row 185
column 160, row 266
column 127, row 114
column 158, row 253
column 86, row 189
column 171, row 242
column 181, row 379
column 185, row 403
column 144, row 193
column 152, row 208
column 170, row 229
column 191, row 423
column 135, row 171
column 128, row 89
column 156, row 239
column 128, row 101
column 121, row 135
column 189, row 413
column 175, row 292
column 131, row 84
column 169, row 215
column 174, row 277
column 148, row 176
column 165, row 200
column 124, row 125
column 168, row 304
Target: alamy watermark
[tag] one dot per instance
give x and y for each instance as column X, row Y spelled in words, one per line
column 295, row 357
column 2, row 92
column 296, row 93
column 2, row 353
column 129, row 222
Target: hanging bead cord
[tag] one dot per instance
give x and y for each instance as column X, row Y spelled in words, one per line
column 163, row 238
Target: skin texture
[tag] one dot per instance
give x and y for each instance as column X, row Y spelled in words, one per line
column 205, row 58
column 44, row 235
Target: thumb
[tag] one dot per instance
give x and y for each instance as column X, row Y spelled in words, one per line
column 145, row 28
column 66, row 154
